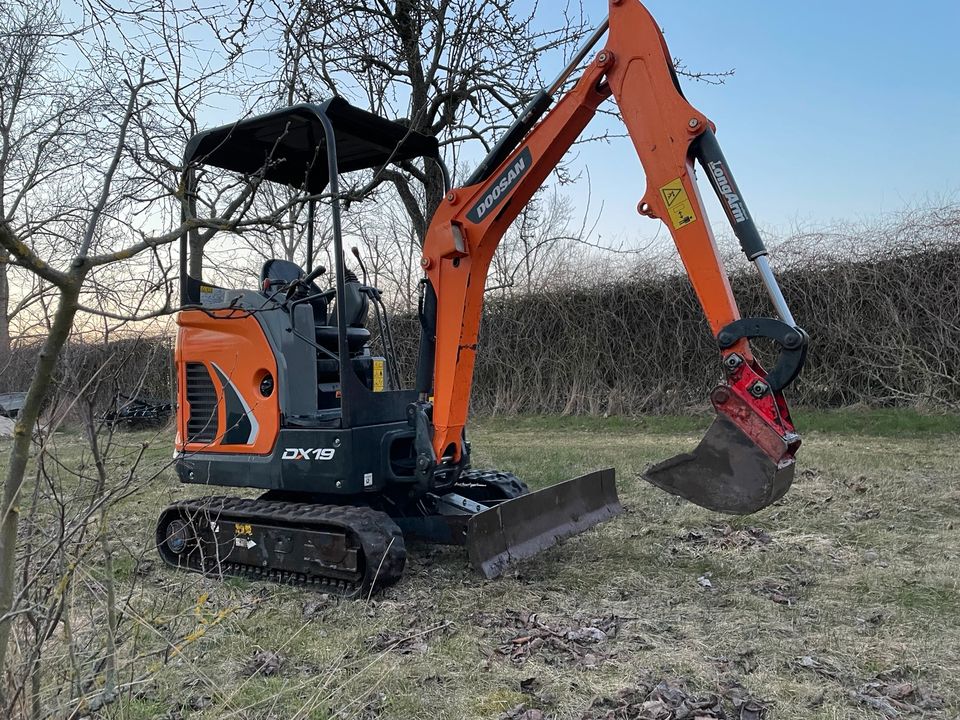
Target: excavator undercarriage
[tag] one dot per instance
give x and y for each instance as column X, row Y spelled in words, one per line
column 339, row 549
column 282, row 389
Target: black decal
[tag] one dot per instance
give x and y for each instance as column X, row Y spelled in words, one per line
column 238, row 430
column 501, row 187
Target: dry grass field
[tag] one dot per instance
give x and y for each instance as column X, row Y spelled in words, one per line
column 841, row 601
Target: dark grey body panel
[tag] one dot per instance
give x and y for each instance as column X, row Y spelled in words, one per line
column 365, row 458
column 349, row 455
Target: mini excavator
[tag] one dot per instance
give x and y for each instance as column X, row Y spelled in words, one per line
column 280, row 389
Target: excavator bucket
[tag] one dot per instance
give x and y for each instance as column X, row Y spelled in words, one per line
column 522, row 527
column 729, row 471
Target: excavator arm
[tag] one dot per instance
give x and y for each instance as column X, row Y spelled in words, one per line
column 745, row 461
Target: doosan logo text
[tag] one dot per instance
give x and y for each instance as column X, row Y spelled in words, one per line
column 507, row 180
column 729, row 191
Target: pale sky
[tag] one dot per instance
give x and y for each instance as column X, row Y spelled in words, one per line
column 837, row 110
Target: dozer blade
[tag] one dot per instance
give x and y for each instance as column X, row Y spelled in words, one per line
column 522, row 527
column 728, row 472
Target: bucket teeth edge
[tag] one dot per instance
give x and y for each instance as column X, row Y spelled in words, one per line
column 727, row 472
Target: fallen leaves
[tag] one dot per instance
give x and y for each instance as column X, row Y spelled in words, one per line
column 521, row 712
column 567, row 642
column 745, row 705
column 874, row 617
column 670, row 699
column 858, row 484
column 263, row 662
column 723, row 536
column 778, row 591
column 407, row 642
column 808, row 474
column 889, row 693
column 784, row 590
column 862, row 514
column 821, row 667
column 530, row 685
column 315, row 605
column 743, row 661
column 200, row 702
column 892, row 696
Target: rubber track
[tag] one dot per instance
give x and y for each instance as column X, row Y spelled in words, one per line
column 380, row 540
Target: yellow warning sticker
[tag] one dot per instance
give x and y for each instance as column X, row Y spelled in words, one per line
column 378, row 375
column 678, row 204
column 243, row 529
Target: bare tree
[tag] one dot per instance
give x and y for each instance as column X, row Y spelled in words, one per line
column 141, row 105
column 457, row 70
column 38, row 101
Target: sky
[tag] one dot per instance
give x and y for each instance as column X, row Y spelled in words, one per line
column 837, row 111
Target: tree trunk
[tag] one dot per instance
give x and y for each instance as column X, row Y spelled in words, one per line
column 4, row 308
column 20, row 455
column 196, row 257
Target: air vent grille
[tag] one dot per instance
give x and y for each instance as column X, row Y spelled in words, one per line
column 202, row 396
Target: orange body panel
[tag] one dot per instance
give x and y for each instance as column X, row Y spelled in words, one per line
column 635, row 67
column 458, row 275
column 234, row 343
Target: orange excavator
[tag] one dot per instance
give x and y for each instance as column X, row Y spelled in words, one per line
column 280, row 388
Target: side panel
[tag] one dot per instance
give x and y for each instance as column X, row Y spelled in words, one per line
column 324, row 461
column 222, row 356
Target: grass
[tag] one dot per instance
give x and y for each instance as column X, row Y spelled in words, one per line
column 865, row 548
column 874, row 422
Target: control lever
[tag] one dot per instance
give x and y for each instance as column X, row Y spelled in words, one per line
column 300, row 288
column 314, row 274
column 363, row 269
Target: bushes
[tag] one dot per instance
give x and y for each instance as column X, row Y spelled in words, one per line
column 136, row 366
column 884, row 331
column 882, row 308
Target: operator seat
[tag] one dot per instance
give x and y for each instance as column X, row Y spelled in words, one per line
column 357, row 306
column 283, row 272
column 325, row 318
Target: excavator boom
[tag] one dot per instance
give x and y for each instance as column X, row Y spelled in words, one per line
column 281, row 391
column 746, row 460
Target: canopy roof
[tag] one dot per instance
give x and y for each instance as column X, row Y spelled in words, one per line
column 288, row 146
